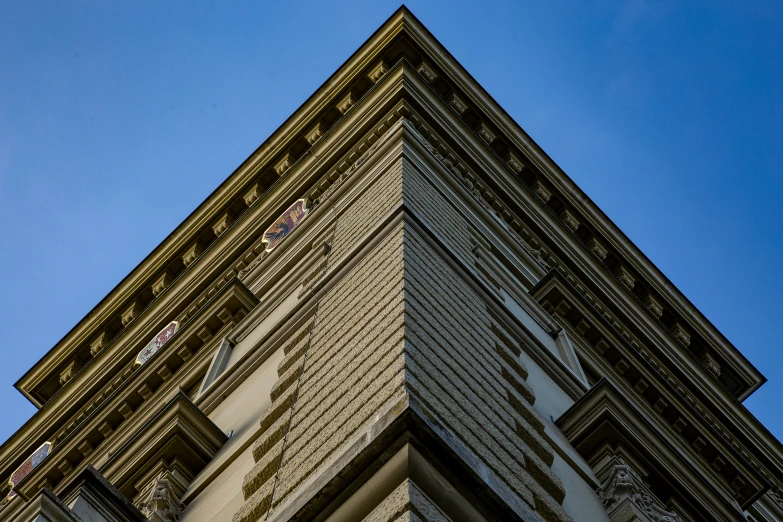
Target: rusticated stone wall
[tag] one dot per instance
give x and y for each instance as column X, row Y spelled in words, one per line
column 402, row 322
column 406, row 504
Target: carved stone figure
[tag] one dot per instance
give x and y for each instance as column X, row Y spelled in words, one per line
column 622, row 487
column 162, row 504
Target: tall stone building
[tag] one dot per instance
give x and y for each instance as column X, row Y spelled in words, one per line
column 397, row 308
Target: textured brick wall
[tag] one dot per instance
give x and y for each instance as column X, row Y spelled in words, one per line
column 436, row 212
column 465, row 369
column 355, row 364
column 402, row 322
column 377, row 201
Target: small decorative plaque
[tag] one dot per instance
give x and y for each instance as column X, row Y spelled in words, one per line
column 156, row 343
column 284, row 225
column 27, row 466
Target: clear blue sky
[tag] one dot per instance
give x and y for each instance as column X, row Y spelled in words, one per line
column 118, row 118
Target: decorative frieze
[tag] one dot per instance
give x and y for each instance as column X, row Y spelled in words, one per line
column 69, row 371
column 98, row 343
column 192, row 253
column 569, row 219
column 513, row 162
column 653, row 305
column 377, row 71
column 681, row 334
column 284, row 163
column 625, row 277
column 541, row 191
column 315, row 133
column 131, row 312
column 163, row 281
column 485, row 133
column 253, row 194
column 457, row 103
column 427, row 71
column 222, row 223
column 346, row 102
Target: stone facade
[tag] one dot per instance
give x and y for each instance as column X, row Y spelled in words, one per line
column 452, row 332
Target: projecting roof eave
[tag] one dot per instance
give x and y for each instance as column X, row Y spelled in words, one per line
column 513, row 130
column 190, row 226
column 401, row 20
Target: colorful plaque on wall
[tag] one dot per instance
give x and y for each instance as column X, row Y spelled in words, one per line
column 284, row 225
column 156, row 343
column 27, row 466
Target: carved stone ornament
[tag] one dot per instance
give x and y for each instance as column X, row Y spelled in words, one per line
column 192, row 253
column 570, row 220
column 681, row 334
column 222, row 223
column 162, row 504
column 69, row 371
column 776, row 495
column 427, row 71
column 253, row 194
column 653, row 305
column 541, row 191
column 625, row 277
column 315, row 133
column 485, row 133
column 346, row 102
column 378, row 70
column 284, row 163
column 513, row 161
column 621, row 488
column 457, row 103
column 98, row 343
column 131, row 312
column 597, row 248
column 711, row 363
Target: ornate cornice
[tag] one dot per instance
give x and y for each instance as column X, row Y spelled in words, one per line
column 514, row 179
column 632, row 364
column 605, row 420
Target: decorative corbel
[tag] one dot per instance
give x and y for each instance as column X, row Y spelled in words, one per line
column 163, row 504
column 621, row 493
